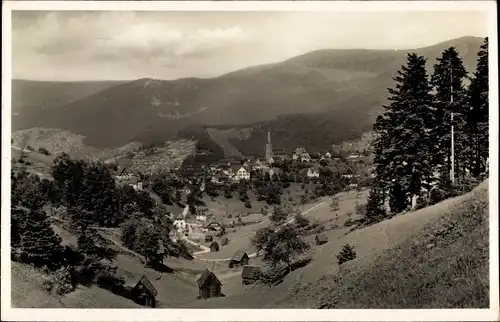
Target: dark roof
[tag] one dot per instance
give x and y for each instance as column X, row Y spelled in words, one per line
column 214, row 223
column 321, row 237
column 147, row 284
column 250, row 271
column 205, row 277
column 214, row 243
column 238, row 256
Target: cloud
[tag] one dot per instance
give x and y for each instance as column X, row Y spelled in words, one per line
column 121, row 45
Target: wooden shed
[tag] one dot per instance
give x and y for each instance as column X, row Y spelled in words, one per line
column 240, row 258
column 250, row 274
column 214, row 247
column 321, row 239
column 144, row 292
column 209, row 285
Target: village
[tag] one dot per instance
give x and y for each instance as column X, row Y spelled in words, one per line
column 218, row 231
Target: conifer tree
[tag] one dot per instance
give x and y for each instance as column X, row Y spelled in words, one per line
column 402, row 141
column 477, row 113
column 38, row 243
column 447, row 79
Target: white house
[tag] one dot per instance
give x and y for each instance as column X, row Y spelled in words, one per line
column 328, row 155
column 295, row 156
column 138, row 186
column 312, row 173
column 304, row 157
column 180, row 225
column 201, row 218
column 242, row 173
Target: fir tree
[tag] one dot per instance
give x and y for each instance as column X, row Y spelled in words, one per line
column 477, row 113
column 402, row 136
column 447, row 79
column 38, row 243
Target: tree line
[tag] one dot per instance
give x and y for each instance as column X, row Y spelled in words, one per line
column 412, row 139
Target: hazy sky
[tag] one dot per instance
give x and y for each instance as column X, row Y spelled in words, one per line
column 168, row 45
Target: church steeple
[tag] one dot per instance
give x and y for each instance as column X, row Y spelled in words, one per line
column 269, row 147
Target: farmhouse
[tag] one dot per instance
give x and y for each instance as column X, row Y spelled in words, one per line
column 320, row 239
column 250, row 274
column 214, row 247
column 144, row 292
column 240, row 258
column 241, row 173
column 313, row 173
column 209, row 285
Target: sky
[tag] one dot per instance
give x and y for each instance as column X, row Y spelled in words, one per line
column 114, row 45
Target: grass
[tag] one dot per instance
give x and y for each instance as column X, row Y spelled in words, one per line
column 436, row 257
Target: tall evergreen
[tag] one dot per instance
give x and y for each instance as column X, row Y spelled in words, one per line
column 402, row 136
column 449, row 96
column 477, row 113
column 38, row 243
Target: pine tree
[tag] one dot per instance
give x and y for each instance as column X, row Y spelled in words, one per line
column 477, row 114
column 375, row 210
column 402, row 136
column 39, row 244
column 447, row 79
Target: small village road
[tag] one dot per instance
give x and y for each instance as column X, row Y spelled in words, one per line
column 205, row 249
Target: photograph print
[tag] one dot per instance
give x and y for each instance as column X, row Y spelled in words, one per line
column 250, row 159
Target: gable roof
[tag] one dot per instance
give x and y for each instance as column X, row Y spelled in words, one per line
column 250, row 271
column 205, row 277
column 321, row 237
column 147, row 285
column 238, row 256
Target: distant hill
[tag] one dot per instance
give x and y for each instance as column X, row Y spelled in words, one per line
column 314, row 100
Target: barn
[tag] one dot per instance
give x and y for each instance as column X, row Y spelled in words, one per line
column 214, row 247
column 209, row 285
column 321, row 239
column 240, row 258
column 144, row 292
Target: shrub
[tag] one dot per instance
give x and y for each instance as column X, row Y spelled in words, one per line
column 346, row 254
column 349, row 222
column 301, row 221
column 63, row 281
column 44, row 151
column 271, row 274
column 248, row 204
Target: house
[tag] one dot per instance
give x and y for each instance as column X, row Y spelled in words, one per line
column 214, row 226
column 320, row 239
column 353, row 156
column 250, row 274
column 209, row 285
column 241, row 173
column 214, row 247
column 313, row 173
column 295, row 156
column 144, row 292
column 240, row 258
column 201, row 218
column 304, row 157
column 328, row 155
column 180, row 224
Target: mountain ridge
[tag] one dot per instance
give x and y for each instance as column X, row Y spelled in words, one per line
column 333, row 90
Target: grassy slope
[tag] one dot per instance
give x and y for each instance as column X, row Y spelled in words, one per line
column 395, row 268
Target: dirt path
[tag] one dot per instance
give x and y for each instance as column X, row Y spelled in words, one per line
column 207, row 250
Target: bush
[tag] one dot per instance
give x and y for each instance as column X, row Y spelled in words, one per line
column 360, row 209
column 301, row 221
column 248, row 204
column 349, row 222
column 63, row 281
column 346, row 254
column 271, row 274
column 44, row 151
